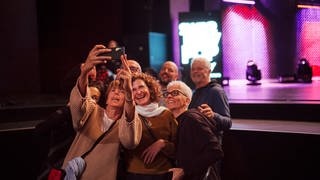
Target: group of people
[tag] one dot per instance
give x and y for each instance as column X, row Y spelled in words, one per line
column 162, row 129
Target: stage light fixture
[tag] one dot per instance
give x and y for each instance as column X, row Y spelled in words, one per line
column 304, row 71
column 253, row 74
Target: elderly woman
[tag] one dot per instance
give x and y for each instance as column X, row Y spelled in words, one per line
column 151, row 159
column 198, row 148
column 90, row 121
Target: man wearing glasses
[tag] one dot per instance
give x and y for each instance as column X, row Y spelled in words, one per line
column 134, row 66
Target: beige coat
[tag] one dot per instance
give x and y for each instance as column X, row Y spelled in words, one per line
column 101, row 163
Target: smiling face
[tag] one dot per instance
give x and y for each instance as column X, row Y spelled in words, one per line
column 175, row 99
column 168, row 72
column 141, row 93
column 200, row 72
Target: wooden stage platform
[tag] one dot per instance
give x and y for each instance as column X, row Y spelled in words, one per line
column 274, row 100
column 273, row 92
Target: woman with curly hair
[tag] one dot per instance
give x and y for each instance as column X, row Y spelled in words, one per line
column 151, row 159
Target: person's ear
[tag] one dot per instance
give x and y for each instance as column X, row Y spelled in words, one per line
column 209, row 71
column 188, row 100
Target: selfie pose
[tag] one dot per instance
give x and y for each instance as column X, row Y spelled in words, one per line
column 90, row 121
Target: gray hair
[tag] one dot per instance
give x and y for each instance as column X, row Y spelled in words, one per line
column 202, row 59
column 183, row 87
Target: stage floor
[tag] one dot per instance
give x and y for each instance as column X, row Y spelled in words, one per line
column 272, row 91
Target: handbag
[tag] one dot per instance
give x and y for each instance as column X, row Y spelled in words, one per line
column 171, row 160
column 59, row 174
column 56, row 174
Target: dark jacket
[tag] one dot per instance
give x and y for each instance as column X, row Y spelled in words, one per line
column 213, row 94
column 198, row 146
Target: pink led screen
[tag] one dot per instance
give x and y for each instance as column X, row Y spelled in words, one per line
column 308, row 37
column 246, row 35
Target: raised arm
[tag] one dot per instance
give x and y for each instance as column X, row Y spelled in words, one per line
column 124, row 74
column 80, row 101
column 130, row 128
column 94, row 58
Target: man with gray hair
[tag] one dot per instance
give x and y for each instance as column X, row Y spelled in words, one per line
column 209, row 96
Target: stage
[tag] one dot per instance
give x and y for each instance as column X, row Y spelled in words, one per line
column 272, row 91
column 275, row 101
column 275, row 131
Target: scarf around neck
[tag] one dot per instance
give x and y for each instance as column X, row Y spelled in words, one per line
column 150, row 110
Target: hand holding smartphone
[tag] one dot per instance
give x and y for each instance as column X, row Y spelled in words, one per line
column 115, row 53
column 115, row 61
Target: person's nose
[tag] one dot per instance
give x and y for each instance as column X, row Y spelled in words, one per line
column 137, row 91
column 117, row 91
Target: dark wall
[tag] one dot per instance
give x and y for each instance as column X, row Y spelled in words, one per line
column 67, row 31
column 140, row 18
column 43, row 42
column 19, row 69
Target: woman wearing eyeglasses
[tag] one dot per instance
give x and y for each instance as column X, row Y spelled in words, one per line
column 151, row 159
column 198, row 148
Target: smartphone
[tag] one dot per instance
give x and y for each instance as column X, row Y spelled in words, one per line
column 115, row 53
column 115, row 61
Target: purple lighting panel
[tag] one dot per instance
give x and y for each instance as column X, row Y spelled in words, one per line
column 308, row 37
column 246, row 36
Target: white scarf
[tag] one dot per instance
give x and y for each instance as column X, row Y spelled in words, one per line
column 150, row 110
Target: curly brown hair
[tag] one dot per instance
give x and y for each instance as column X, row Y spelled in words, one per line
column 152, row 84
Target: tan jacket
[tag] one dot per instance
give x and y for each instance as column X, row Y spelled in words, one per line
column 101, row 163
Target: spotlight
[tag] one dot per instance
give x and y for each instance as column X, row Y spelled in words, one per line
column 304, row 71
column 253, row 74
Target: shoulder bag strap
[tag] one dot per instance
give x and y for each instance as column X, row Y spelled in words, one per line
column 98, row 140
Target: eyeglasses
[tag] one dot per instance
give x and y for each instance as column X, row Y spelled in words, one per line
column 173, row 93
